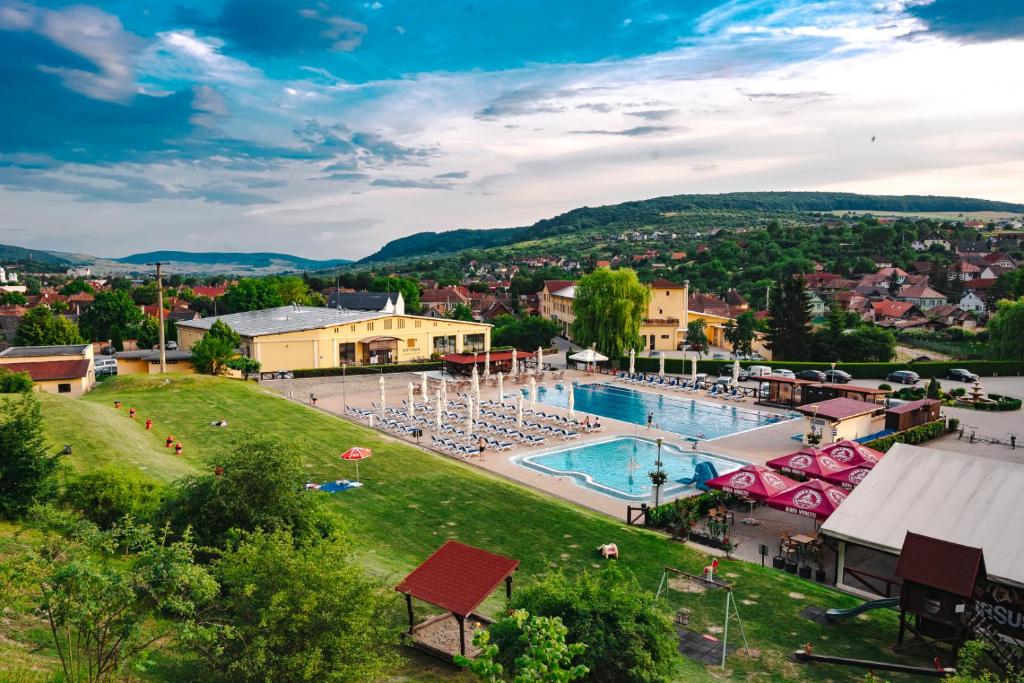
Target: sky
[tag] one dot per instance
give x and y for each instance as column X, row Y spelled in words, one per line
column 325, row 128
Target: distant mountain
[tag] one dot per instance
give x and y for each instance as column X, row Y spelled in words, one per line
column 232, row 260
column 651, row 210
column 12, row 253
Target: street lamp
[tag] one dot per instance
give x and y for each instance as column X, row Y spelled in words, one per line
column 658, row 476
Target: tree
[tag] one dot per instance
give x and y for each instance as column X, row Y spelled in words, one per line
column 609, row 307
column 789, row 323
column 77, row 286
column 934, row 389
column 112, row 315
column 545, row 658
column 628, row 639
column 292, row 289
column 970, row 667
column 14, row 382
column 251, row 294
column 28, row 469
column 211, row 353
column 105, row 496
column 1006, row 331
column 696, row 339
column 147, row 333
column 409, row 288
column 740, row 333
column 893, row 284
column 32, row 285
column 12, row 299
column 261, row 487
column 296, row 611
column 145, row 295
column 528, row 332
column 41, row 327
column 461, row 311
column 243, row 364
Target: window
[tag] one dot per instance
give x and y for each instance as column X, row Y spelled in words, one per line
column 444, row 344
column 416, row 324
column 353, row 328
column 369, row 327
column 64, row 388
column 347, row 352
column 664, row 336
column 401, row 323
column 472, row 342
column 387, row 324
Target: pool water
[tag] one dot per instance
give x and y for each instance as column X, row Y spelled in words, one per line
column 619, row 467
column 679, row 414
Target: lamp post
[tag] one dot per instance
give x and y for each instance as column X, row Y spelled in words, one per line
column 658, row 476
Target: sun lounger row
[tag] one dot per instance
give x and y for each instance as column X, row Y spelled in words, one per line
column 455, row 447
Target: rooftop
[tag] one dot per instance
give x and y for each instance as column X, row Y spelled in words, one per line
column 283, row 319
column 362, row 301
column 36, row 351
column 839, row 408
column 47, row 370
column 940, row 564
column 458, row 577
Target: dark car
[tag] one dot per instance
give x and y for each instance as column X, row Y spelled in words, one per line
column 812, row 375
column 903, row 377
column 838, row 377
column 962, row 375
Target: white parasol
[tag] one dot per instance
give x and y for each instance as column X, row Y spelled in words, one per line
column 487, row 364
column 409, row 408
column 661, row 364
column 423, row 386
column 476, row 395
column 533, row 392
column 632, row 361
column 571, row 402
column 469, row 414
column 519, row 412
column 444, row 391
column 540, row 359
column 383, row 396
column 515, row 359
column 501, row 389
column 693, row 368
column 736, row 372
column 437, row 408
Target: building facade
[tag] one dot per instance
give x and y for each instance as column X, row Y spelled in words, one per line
column 66, row 370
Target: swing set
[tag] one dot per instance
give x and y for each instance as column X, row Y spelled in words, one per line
column 702, row 587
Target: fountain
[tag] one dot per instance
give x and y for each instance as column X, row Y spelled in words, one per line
column 975, row 396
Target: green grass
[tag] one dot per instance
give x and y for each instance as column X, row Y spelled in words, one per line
column 412, row 501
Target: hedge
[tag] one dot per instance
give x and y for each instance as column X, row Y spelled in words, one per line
column 927, row 370
column 914, row 435
column 367, row 369
column 1001, row 403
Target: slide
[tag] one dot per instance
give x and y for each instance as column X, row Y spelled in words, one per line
column 702, row 472
column 840, row 614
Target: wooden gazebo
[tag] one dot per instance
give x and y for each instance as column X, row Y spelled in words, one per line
column 457, row 578
column 782, row 391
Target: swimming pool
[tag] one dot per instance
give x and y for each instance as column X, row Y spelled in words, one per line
column 619, row 467
column 686, row 416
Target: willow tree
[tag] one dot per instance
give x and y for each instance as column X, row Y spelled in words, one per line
column 609, row 307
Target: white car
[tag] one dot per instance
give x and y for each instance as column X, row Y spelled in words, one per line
column 759, row 371
column 788, row 374
column 105, row 366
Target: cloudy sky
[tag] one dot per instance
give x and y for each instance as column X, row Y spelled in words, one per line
column 325, row 128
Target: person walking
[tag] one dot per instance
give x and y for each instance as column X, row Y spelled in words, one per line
column 650, row 419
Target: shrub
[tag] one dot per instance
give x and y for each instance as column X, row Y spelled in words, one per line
column 28, row 469
column 914, row 435
column 959, row 391
column 14, row 382
column 886, row 387
column 953, row 424
column 107, row 495
column 627, row 638
column 370, row 369
column 927, row 370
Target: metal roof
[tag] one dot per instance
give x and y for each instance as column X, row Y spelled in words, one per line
column 46, row 370
column 839, row 408
column 363, row 301
column 973, row 500
column 33, row 351
column 284, row 319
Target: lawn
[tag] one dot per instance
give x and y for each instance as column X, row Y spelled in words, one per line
column 413, row 500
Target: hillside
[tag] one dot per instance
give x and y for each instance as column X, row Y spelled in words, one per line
column 255, row 260
column 413, row 500
column 657, row 210
column 12, row 253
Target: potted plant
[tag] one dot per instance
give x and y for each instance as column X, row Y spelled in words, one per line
column 728, row 545
column 804, row 571
column 818, row 558
column 791, row 565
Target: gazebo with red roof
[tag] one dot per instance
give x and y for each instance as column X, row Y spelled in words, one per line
column 457, row 578
column 501, row 361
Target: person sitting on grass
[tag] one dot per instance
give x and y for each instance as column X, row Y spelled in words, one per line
column 219, row 423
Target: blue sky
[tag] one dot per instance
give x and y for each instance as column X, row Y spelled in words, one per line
column 325, row 128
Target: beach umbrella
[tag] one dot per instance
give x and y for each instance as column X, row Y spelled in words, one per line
column 540, row 359
column 501, row 388
column 437, row 408
column 469, row 414
column 693, row 368
column 476, row 395
column 850, row 477
column 423, row 386
column 752, row 482
column 410, row 409
column 383, row 396
column 444, row 391
column 356, row 453
column 519, row 412
column 632, row 361
column 571, row 402
column 474, row 379
column 812, row 498
column 515, row 361
column 851, row 453
column 736, row 372
column 487, row 364
column 808, row 462
column 533, row 392
column 661, row 364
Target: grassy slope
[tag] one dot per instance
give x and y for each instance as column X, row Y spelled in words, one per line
column 414, row 500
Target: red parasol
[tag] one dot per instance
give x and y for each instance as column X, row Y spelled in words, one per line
column 809, row 462
column 812, row 498
column 356, row 453
column 753, row 481
column 849, row 477
column 852, row 453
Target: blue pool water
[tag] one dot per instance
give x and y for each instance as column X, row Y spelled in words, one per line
column 679, row 414
column 618, row 467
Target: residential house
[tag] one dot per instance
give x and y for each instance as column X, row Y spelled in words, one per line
column 964, row 270
column 850, row 300
column 951, row 315
column 737, row 304
column 932, row 238
column 10, row 318
column 556, row 299
column 677, row 255
column 970, row 247
column 922, row 296
column 815, row 303
column 495, row 310
column 67, row 370
column 211, row 291
column 992, row 272
column 818, row 281
column 443, row 300
column 603, row 264
column 888, row 311
column 381, row 302
column 973, row 301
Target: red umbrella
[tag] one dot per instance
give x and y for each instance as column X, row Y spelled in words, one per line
column 809, row 462
column 850, row 477
column 852, row 453
column 356, row 453
column 752, row 481
column 812, row 498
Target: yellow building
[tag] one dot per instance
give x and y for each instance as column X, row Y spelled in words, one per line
column 301, row 337
column 668, row 314
column 148, row 362
column 841, row 419
column 67, row 370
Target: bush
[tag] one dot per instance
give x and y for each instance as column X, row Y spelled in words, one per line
column 107, row 495
column 370, row 369
column 14, row 382
column 28, row 469
column 886, row 387
column 927, row 370
column 1001, row 403
column 627, row 638
column 914, row 435
column 953, row 424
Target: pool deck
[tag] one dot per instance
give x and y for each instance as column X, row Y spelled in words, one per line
column 754, row 446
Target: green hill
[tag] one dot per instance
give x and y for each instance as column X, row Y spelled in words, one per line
column 654, row 210
column 21, row 254
column 230, row 258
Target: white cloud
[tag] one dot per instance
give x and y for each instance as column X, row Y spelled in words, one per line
column 184, row 55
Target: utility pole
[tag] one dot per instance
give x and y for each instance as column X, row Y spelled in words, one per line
column 160, row 315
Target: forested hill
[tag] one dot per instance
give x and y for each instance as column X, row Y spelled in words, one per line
column 23, row 255
column 249, row 260
column 652, row 209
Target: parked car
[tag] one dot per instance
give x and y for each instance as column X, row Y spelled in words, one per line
column 903, row 377
column 812, row 375
column 726, row 371
column 719, row 356
column 962, row 375
column 105, row 366
column 838, row 377
column 759, row 371
column 782, row 372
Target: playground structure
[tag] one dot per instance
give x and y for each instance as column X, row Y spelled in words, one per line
column 695, row 618
column 702, row 473
column 840, row 614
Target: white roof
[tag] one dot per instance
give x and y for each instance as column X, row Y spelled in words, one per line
column 973, row 500
column 589, row 356
column 566, row 292
column 284, row 319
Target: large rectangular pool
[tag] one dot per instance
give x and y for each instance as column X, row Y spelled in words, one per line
column 619, row 467
column 686, row 416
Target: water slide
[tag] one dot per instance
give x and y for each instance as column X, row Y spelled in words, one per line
column 840, row 614
column 702, row 472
